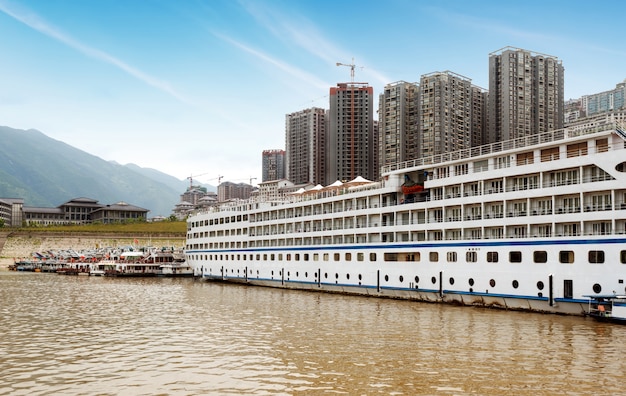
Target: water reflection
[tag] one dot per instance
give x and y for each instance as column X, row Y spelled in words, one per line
column 82, row 335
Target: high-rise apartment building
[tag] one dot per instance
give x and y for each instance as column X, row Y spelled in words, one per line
column 445, row 113
column 227, row 191
column 479, row 122
column 525, row 93
column 350, row 145
column 605, row 101
column 305, row 146
column 273, row 165
column 398, row 107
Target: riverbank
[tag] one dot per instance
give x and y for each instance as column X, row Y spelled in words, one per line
column 23, row 244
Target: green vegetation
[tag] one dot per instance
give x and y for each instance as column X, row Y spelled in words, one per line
column 153, row 228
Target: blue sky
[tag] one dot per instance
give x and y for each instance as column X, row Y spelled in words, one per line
column 202, row 87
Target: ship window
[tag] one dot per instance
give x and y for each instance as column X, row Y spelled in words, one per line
column 272, row 257
column 597, row 288
column 451, row 257
column 386, row 278
column 360, row 257
column 297, row 257
column 372, row 256
column 348, row 276
column 451, row 281
column 288, row 256
column 417, row 279
column 336, row 276
column 433, row 257
column 316, row 256
column 540, row 285
column 621, row 167
column 596, row 256
column 326, row 257
column 433, row 280
column 622, row 257
column 515, row 257
column 492, row 282
column 492, row 257
column 306, row 274
column 360, row 277
column 471, row 257
column 348, row 256
column 401, row 278
column 540, row 256
column 251, row 257
column 391, row 256
column 515, row 284
column 280, row 256
column 306, row 257
column 471, row 281
column 566, row 256
column 326, row 275
column 258, row 257
column 336, row 257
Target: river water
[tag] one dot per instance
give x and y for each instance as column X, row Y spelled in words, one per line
column 68, row 335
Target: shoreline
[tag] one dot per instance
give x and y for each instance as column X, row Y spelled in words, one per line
column 20, row 245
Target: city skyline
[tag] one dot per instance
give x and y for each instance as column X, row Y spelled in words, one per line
column 203, row 88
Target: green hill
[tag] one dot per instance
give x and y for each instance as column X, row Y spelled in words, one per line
column 47, row 172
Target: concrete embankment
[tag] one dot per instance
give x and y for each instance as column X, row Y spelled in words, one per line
column 23, row 244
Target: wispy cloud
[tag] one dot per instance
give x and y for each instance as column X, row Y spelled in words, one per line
column 291, row 70
column 301, row 32
column 33, row 21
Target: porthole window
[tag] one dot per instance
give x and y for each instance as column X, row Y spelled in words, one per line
column 401, row 278
column 347, row 276
column 597, row 288
column 326, row 275
column 566, row 256
column 417, row 279
column 492, row 282
column 360, row 277
column 433, row 280
column 336, row 276
column 386, row 278
column 515, row 284
column 306, row 274
column 272, row 272
column 451, row 281
column 596, row 256
column 540, row 285
column 540, row 256
column 515, row 257
column 471, row 281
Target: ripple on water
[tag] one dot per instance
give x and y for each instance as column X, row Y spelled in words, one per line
column 82, row 335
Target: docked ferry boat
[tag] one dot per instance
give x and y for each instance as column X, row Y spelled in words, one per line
column 537, row 223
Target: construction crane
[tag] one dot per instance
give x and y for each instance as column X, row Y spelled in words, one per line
column 351, row 66
column 190, row 178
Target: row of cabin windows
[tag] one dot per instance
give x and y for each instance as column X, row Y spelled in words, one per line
column 539, row 256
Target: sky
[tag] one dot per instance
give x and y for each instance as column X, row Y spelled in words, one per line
column 199, row 88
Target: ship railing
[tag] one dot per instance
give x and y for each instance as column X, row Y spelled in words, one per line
column 544, row 137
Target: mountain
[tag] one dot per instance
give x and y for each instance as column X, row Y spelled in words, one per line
column 47, row 172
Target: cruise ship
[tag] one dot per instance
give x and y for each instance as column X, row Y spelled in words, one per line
column 537, row 223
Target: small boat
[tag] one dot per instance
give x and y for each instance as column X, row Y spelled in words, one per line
column 607, row 308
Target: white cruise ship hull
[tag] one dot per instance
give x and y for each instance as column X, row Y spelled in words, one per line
column 533, row 224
